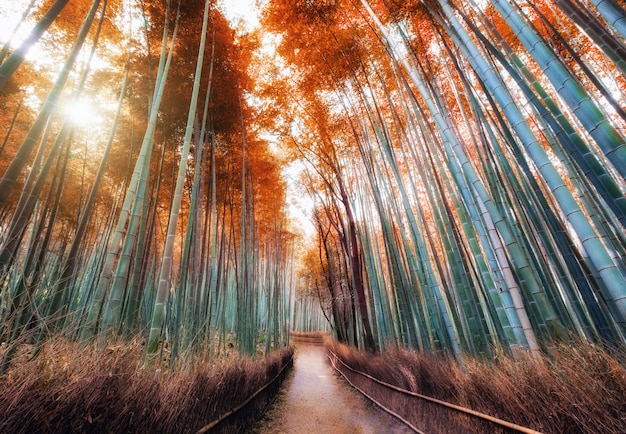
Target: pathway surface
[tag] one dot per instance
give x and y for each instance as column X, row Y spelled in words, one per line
column 315, row 400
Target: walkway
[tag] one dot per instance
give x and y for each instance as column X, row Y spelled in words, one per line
column 314, row 400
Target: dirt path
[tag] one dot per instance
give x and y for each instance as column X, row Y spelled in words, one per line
column 315, row 400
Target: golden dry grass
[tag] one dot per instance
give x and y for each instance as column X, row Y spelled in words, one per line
column 68, row 388
column 577, row 388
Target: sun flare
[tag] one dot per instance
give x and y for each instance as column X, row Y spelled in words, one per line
column 80, row 113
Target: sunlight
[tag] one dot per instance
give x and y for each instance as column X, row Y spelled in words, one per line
column 15, row 33
column 80, row 113
column 245, row 11
column 10, row 13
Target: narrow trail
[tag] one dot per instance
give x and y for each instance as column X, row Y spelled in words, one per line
column 314, row 400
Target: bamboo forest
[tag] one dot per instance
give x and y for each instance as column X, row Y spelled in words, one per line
column 188, row 182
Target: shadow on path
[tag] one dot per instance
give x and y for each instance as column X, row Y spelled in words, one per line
column 315, row 400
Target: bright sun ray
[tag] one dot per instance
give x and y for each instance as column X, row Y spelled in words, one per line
column 80, row 113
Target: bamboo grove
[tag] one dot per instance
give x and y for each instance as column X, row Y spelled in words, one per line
column 163, row 218
column 466, row 161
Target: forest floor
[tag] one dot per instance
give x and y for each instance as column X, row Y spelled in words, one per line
column 315, row 400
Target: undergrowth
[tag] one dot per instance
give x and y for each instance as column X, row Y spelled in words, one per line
column 69, row 388
column 578, row 388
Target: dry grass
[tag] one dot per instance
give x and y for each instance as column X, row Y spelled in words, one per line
column 575, row 389
column 91, row 390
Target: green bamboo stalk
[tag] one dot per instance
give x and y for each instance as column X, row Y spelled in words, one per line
column 168, row 250
column 136, row 187
column 616, row 284
column 612, row 143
